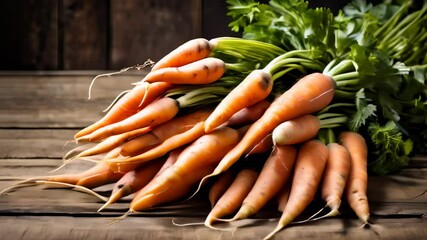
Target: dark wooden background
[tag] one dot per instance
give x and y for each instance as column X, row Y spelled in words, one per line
column 105, row 34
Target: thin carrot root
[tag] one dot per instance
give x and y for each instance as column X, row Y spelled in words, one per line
column 112, row 199
column 121, row 218
column 138, row 67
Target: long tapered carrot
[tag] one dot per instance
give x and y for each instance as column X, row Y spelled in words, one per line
column 164, row 131
column 272, row 178
column 221, row 184
column 157, row 112
column 254, row 88
column 98, row 175
column 203, row 71
column 133, row 181
column 309, row 166
column 283, row 196
column 110, row 143
column 178, row 179
column 233, row 197
column 129, row 163
column 308, row 95
column 296, row 130
column 357, row 183
column 188, row 52
column 128, row 105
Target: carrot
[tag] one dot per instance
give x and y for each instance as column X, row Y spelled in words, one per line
column 125, row 164
column 98, row 175
column 254, row 88
column 273, row 176
column 109, row 143
column 233, row 196
column 248, row 114
column 155, row 113
column 132, row 102
column 296, row 130
column 335, row 177
column 133, row 181
column 264, row 146
column 310, row 94
column 203, row 71
column 283, row 196
column 356, row 188
column 163, row 131
column 309, row 166
column 194, row 160
column 188, row 52
column 221, row 184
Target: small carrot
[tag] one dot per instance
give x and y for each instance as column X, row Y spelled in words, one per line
column 133, row 181
column 254, row 88
column 310, row 94
column 178, row 179
column 272, row 178
column 98, row 175
column 248, row 114
column 203, row 71
column 128, row 105
column 283, row 196
column 186, row 53
column 357, row 184
column 296, row 130
column 163, row 131
column 220, row 185
column 109, row 143
column 309, row 166
column 233, row 197
column 157, row 112
column 125, row 164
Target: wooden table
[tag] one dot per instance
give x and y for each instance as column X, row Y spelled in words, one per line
column 40, row 112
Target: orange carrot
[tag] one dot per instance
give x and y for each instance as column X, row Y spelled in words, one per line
column 110, row 143
column 98, row 175
column 310, row 94
column 264, row 146
column 254, row 88
column 248, row 114
column 309, row 166
column 128, row 105
column 188, row 52
column 178, row 179
column 203, row 71
column 335, row 177
column 233, row 197
column 125, row 164
column 272, row 178
column 163, row 131
column 356, row 188
column 157, row 112
column 221, row 184
column 283, row 196
column 296, row 130
column 133, row 181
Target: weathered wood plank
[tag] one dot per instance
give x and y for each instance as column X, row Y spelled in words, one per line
column 29, row 39
column 58, row 100
column 46, row 227
column 84, row 26
column 142, row 30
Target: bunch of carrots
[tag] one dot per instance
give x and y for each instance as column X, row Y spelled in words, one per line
column 209, row 105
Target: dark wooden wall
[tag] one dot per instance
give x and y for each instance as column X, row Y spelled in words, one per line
column 101, row 34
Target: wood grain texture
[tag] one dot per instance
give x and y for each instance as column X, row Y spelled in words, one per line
column 40, row 113
column 150, row 29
